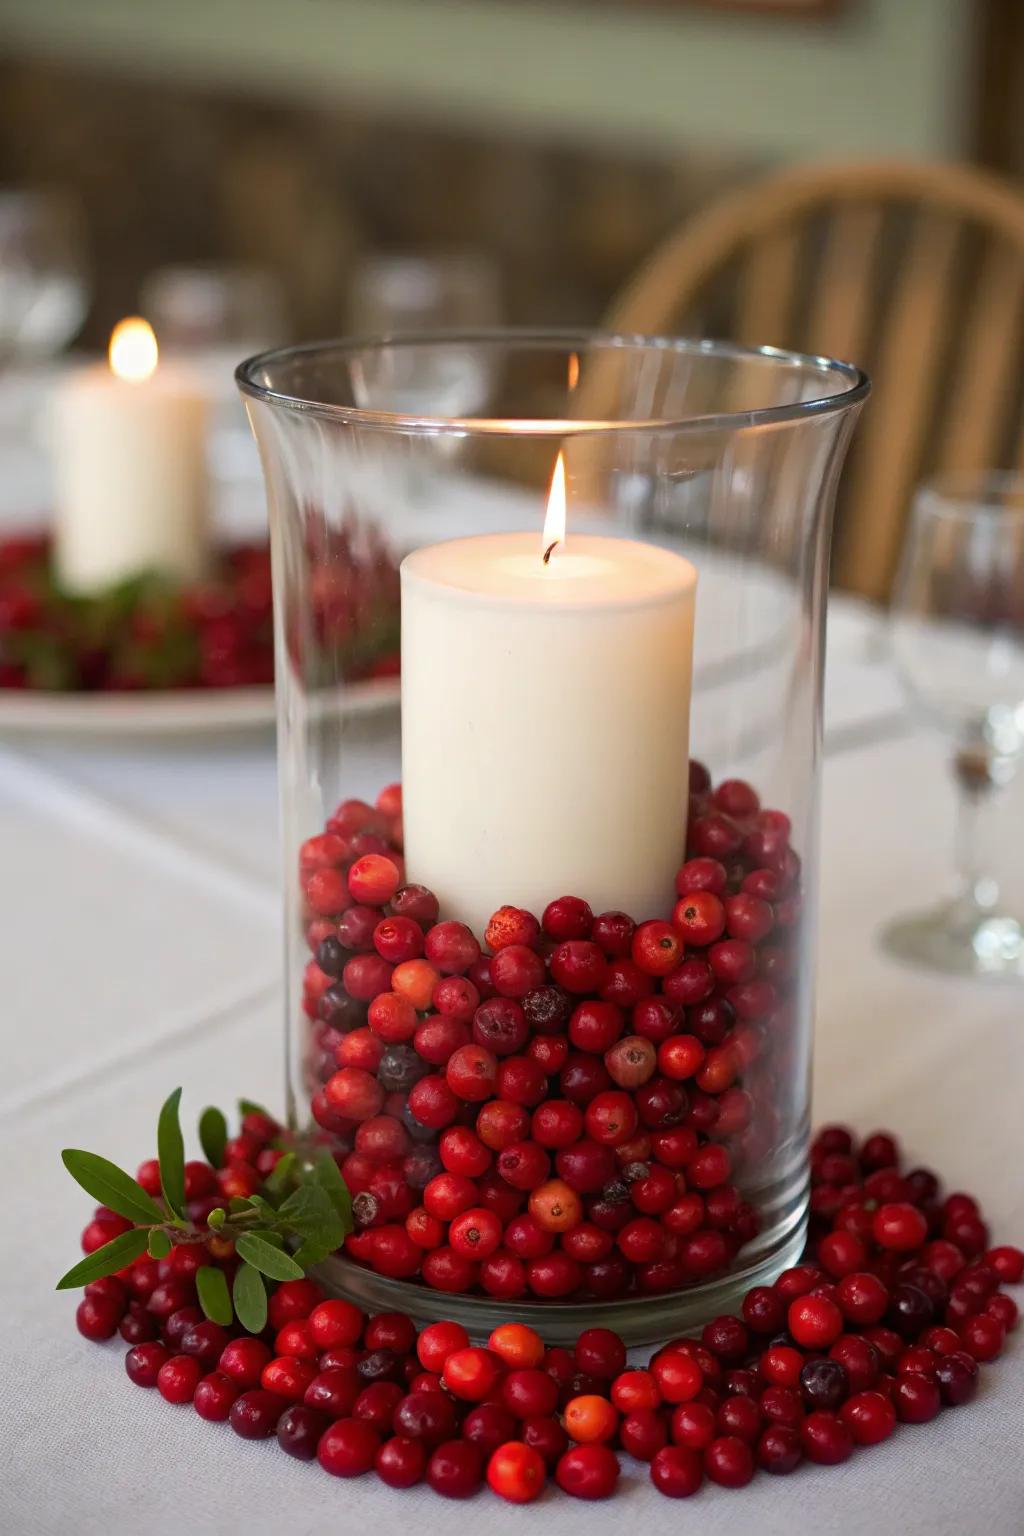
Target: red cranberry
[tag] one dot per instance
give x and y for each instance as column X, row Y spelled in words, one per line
column 206, row 1341
column 348, row 1447
column 500, row 1025
column 899, row 1226
column 455, row 1469
column 740, row 1416
column 690, row 983
column 764, row 1310
column 417, row 902
column 579, row 966
column 983, row 1336
column 826, row 1439
column 554, row 1276
column 426, row 1416
column 299, row 1430
column 859, row 1359
column 97, row 1317
column 178, row 1378
column 613, row 931
column 729, row 1461
column 244, row 1359
column 588, row 1472
column 957, row 1379
column 693, row 1425
column 583, row 1077
column 517, row 970
column 400, row 1462
column 471, row 1074
column 824, row 1383
column 521, row 1080
column 869, row 1416
column 255, row 1415
column 143, row 1363
column 1007, row 1262
column 567, row 918
column 1003, row 1308
column 916, row 1399
column 642, row 1433
column 862, row 1297
column 910, row 1310
column 814, row 1321
column 332, row 1392
column 780, row 1450
column 215, row 1396
column 376, row 1404
column 661, row 1103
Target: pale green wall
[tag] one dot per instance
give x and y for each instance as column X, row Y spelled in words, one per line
column 886, row 76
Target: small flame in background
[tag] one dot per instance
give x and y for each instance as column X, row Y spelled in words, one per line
column 133, row 350
column 554, row 520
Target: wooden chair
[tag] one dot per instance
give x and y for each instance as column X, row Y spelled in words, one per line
column 914, row 271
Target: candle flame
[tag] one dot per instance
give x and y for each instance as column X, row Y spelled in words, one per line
column 554, row 520
column 133, row 350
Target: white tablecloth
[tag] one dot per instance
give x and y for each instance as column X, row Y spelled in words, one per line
column 140, row 947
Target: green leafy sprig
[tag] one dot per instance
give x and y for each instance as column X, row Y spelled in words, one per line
column 302, row 1214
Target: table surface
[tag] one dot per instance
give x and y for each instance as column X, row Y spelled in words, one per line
column 141, row 931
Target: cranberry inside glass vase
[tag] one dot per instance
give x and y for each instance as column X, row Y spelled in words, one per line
column 549, row 614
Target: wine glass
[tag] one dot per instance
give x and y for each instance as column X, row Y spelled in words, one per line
column 453, row 291
column 958, row 646
column 43, row 290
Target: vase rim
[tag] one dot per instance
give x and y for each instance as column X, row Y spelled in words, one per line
column 844, row 385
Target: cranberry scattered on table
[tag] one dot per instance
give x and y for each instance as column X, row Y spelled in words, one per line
column 891, row 1342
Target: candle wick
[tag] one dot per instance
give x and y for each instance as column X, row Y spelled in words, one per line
column 550, row 551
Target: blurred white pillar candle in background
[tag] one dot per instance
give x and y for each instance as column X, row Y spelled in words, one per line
column 545, row 720
column 129, row 443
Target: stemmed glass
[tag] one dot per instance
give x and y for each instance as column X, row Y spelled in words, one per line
column 958, row 646
column 43, row 290
column 425, row 291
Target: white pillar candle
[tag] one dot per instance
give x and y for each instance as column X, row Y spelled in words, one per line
column 545, row 722
column 129, row 444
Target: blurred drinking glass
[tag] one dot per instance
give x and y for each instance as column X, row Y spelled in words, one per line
column 214, row 309
column 43, row 286
column 211, row 316
column 958, row 645
column 455, row 291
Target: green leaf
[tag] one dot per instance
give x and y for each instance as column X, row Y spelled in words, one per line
column 250, row 1107
column 159, row 1243
column 213, row 1136
column 111, row 1186
column 113, row 1256
column 216, row 1218
column 239, row 1203
column 270, row 1261
column 213, row 1294
column 250, row 1298
column 328, row 1176
column 311, row 1213
column 170, row 1149
column 280, row 1175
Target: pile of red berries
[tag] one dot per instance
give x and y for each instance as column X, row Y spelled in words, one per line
column 558, row 1105
column 153, row 633
column 886, row 1324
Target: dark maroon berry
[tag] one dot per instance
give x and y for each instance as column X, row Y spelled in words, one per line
column 824, row 1383
column 298, row 1431
column 255, row 1414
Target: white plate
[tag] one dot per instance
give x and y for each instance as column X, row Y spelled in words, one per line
column 181, row 712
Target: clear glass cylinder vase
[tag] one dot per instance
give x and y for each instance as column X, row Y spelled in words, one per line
column 550, row 618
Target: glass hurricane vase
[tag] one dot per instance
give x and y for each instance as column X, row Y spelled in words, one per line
column 549, row 617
